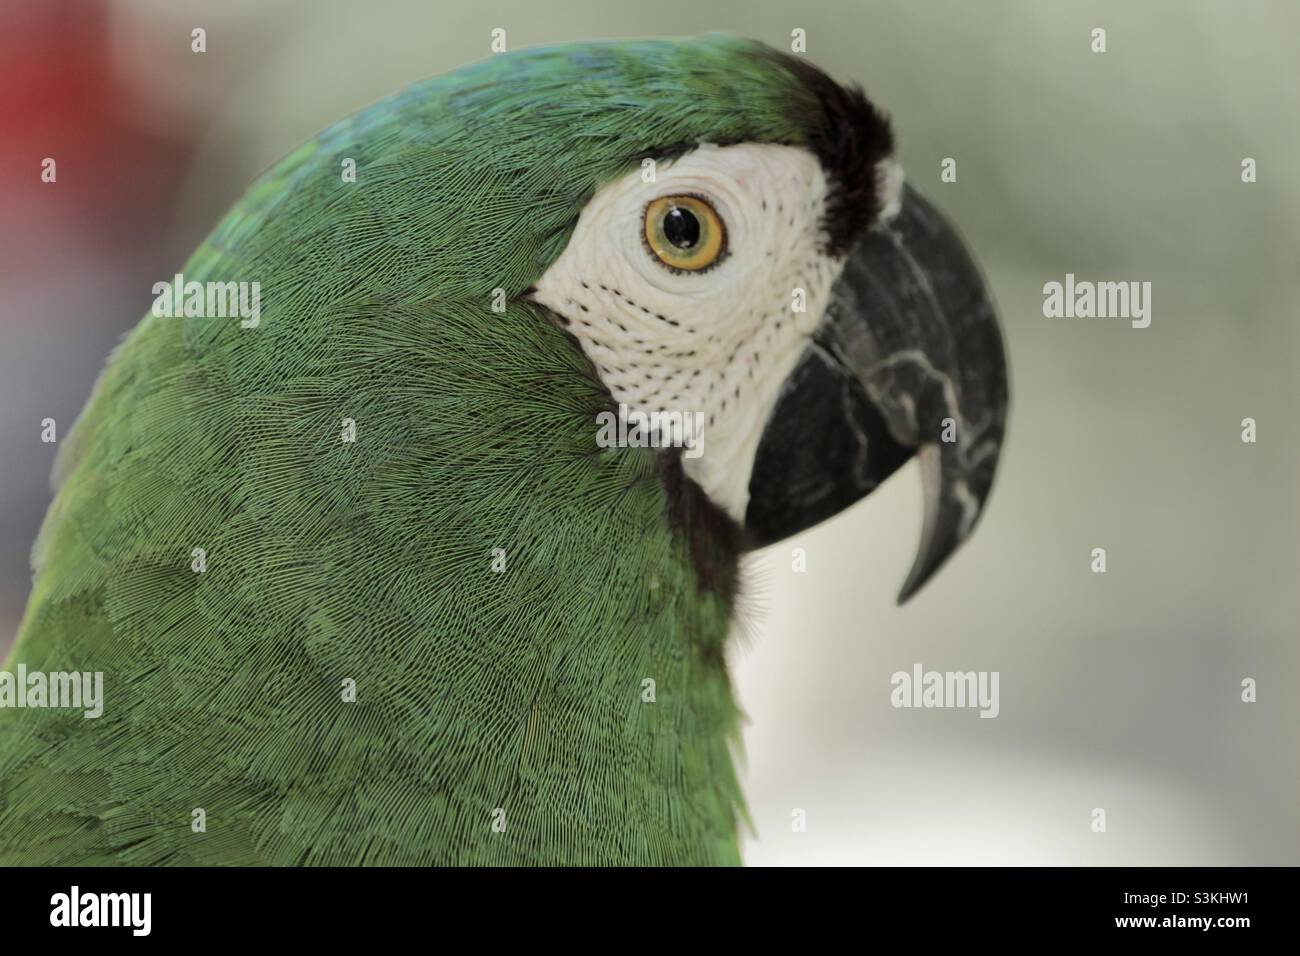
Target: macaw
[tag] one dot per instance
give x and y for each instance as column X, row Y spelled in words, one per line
column 361, row 578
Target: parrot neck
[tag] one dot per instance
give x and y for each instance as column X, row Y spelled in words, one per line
column 579, row 664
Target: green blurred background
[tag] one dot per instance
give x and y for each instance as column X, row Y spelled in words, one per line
column 1119, row 691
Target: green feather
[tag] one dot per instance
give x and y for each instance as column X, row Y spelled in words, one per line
column 329, row 561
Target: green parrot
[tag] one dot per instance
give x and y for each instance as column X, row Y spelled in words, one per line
column 433, row 559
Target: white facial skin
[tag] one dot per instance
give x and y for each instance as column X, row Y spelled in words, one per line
column 719, row 342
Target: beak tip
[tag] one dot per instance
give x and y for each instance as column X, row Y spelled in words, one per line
column 950, row 516
column 921, row 572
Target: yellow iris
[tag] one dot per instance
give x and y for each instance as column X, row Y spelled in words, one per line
column 684, row 232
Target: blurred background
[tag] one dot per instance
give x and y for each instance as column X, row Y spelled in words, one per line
column 1119, row 691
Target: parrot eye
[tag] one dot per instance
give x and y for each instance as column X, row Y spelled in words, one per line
column 685, row 233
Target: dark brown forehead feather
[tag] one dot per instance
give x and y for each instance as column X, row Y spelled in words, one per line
column 850, row 137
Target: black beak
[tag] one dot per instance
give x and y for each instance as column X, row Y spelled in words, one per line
column 908, row 359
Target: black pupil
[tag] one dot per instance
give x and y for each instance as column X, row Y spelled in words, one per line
column 681, row 228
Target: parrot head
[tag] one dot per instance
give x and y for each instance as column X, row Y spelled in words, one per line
column 759, row 263
column 722, row 230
